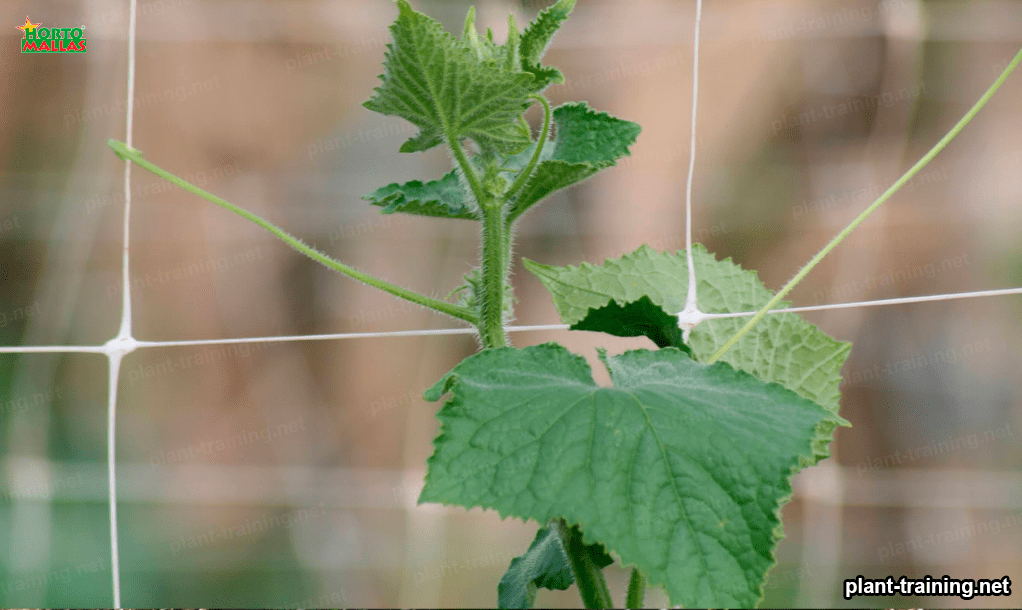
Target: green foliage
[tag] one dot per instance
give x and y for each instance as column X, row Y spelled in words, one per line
column 522, row 52
column 537, row 37
column 474, row 88
column 527, row 432
column 474, row 289
column 441, row 84
column 545, row 565
column 680, row 468
column 443, row 198
column 587, row 141
column 782, row 348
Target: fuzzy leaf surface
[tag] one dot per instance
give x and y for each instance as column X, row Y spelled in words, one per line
column 586, row 142
column 443, row 198
column 449, row 89
column 536, row 38
column 783, row 348
column 544, row 565
column 680, row 468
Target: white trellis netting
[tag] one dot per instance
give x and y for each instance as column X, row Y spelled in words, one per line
column 125, row 343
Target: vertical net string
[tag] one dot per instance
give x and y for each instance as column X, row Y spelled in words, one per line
column 689, row 316
column 124, row 343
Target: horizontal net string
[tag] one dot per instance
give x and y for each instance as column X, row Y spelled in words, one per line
column 365, row 335
column 102, row 349
column 898, row 301
column 53, row 349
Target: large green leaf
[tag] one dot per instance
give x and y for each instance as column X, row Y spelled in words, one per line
column 586, row 142
column 446, row 88
column 680, row 468
column 544, row 565
column 443, row 198
column 782, row 348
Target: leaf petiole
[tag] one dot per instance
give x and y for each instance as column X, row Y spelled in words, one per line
column 636, row 590
column 470, row 174
column 592, row 586
column 455, row 311
column 876, row 204
column 527, row 172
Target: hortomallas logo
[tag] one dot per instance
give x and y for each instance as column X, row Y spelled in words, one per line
column 51, row 40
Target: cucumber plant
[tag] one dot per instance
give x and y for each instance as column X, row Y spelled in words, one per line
column 680, row 468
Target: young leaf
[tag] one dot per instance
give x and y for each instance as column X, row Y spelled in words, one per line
column 470, row 293
column 587, row 141
column 505, row 55
column 511, row 60
column 443, row 198
column 680, row 468
column 443, row 86
column 783, row 348
column 587, row 136
column 536, row 38
column 544, row 565
column 469, row 35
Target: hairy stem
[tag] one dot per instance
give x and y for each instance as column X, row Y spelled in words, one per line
column 876, row 204
column 588, row 576
column 494, row 276
column 461, row 313
column 636, row 590
column 493, row 263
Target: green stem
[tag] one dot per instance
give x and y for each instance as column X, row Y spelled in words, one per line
column 636, row 590
column 471, row 177
column 592, row 587
column 494, row 276
column 876, row 204
column 493, row 266
column 462, row 313
column 525, row 173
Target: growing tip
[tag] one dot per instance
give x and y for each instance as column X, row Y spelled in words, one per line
column 404, row 8
column 512, row 44
column 122, row 150
column 469, row 35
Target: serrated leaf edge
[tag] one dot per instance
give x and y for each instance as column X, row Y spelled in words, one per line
column 450, row 380
column 388, row 200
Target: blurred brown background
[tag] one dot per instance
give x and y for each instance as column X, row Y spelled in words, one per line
column 286, row 474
